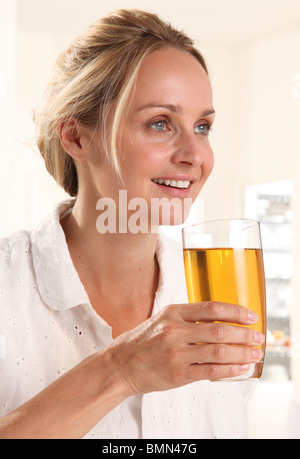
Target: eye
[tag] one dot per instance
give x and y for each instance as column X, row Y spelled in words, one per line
column 202, row 129
column 159, row 125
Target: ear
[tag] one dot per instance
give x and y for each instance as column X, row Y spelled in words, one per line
column 71, row 134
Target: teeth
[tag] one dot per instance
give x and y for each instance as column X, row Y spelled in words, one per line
column 173, row 183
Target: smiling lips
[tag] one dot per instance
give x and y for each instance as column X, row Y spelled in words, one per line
column 182, row 184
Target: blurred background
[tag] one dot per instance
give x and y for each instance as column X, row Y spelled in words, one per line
column 252, row 48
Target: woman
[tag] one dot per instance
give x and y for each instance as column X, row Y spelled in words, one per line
column 99, row 338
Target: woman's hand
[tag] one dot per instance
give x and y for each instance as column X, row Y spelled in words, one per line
column 162, row 353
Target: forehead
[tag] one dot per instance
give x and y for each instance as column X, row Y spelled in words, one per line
column 170, row 76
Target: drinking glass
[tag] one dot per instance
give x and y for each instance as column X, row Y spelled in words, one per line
column 223, row 262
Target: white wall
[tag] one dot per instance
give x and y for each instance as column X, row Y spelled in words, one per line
column 35, row 59
column 7, row 112
column 32, row 192
column 257, row 133
column 217, row 193
column 274, row 140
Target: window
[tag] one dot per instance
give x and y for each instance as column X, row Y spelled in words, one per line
column 270, row 203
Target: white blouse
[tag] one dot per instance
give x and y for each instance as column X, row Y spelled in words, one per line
column 47, row 326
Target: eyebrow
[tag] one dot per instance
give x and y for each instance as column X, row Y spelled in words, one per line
column 174, row 108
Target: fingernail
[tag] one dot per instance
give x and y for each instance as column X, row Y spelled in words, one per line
column 252, row 317
column 257, row 353
column 259, row 338
column 245, row 367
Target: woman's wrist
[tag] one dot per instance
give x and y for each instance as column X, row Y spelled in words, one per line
column 112, row 387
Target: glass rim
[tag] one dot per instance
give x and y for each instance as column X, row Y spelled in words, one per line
column 189, row 229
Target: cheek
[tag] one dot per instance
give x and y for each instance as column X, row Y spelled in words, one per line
column 207, row 168
column 208, row 164
column 142, row 159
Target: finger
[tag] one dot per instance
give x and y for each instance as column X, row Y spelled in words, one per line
column 214, row 372
column 223, row 354
column 219, row 332
column 217, row 311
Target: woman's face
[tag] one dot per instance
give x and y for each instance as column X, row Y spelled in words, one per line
column 164, row 147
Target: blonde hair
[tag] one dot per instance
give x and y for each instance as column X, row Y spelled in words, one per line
column 100, row 66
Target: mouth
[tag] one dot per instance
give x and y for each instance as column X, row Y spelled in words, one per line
column 179, row 184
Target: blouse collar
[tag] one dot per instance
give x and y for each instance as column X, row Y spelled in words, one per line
column 57, row 279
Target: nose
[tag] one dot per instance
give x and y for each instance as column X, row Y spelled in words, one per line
column 191, row 149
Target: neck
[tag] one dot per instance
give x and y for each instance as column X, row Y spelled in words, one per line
column 122, row 263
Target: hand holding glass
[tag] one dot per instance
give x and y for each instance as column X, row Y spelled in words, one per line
column 224, row 262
